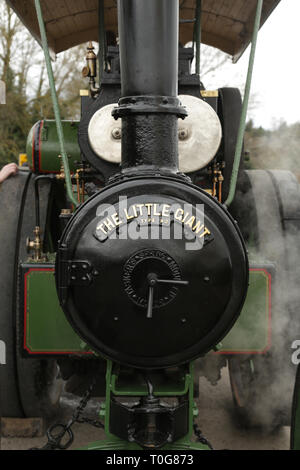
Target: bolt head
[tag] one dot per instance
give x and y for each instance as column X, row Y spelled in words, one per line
column 183, row 134
column 116, row 133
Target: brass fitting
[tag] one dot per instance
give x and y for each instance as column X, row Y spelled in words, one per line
column 90, row 70
column 80, row 190
column 217, row 179
column 35, row 246
column 61, row 175
column 220, row 181
column 66, row 212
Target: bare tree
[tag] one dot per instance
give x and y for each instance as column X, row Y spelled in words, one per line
column 9, row 28
column 212, row 61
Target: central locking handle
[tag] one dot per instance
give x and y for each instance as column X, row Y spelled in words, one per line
column 152, row 282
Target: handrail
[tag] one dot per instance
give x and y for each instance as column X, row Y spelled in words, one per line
column 198, row 35
column 102, row 41
column 56, row 109
column 242, row 127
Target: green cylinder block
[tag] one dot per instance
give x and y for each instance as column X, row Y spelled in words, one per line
column 43, row 148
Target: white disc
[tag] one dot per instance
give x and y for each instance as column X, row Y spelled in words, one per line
column 201, row 133
column 105, row 134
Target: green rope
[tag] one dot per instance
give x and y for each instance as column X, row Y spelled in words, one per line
column 56, row 109
column 241, row 133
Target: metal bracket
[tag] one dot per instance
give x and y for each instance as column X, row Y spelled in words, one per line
column 73, row 272
column 79, row 273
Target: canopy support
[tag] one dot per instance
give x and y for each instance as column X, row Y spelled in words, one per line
column 242, row 127
column 198, row 35
column 56, row 109
column 102, row 41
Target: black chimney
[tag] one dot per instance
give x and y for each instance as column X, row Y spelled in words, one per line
column 149, row 107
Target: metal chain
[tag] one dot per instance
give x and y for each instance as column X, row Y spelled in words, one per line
column 201, row 438
column 57, row 432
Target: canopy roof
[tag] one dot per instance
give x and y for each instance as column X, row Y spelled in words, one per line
column 226, row 24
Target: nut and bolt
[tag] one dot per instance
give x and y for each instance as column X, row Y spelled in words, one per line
column 116, row 133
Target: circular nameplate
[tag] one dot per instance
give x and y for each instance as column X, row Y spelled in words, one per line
column 135, row 274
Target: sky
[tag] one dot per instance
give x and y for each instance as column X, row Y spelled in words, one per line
column 276, row 78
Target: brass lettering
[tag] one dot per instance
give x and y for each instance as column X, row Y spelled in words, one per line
column 128, row 217
column 101, row 227
column 206, row 232
column 140, row 206
column 185, row 217
column 166, row 210
column 148, row 207
column 198, row 227
column 177, row 217
column 134, row 211
column 109, row 224
column 155, row 210
column 191, row 222
column 116, row 220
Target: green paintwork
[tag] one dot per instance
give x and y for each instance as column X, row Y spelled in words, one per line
column 132, row 384
column 49, row 331
column 114, row 443
column 50, row 148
